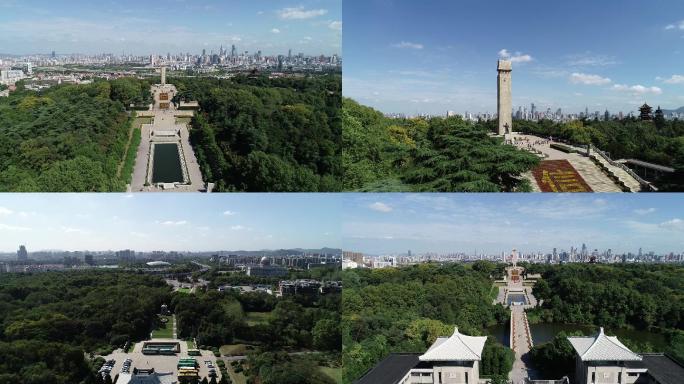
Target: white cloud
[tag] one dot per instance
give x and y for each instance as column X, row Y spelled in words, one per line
column 229, row 213
column 408, row 44
column 637, row 89
column 587, row 79
column 590, row 60
column 644, row 211
column 517, row 58
column 679, row 25
column 139, row 234
column 5, row 211
column 238, row 227
column 175, row 223
column 73, row 230
column 565, row 207
column 674, row 224
column 336, row 25
column 675, row 79
column 275, row 30
column 380, row 207
column 300, row 13
column 7, row 227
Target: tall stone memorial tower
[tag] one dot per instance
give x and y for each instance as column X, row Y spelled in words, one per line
column 503, row 97
column 163, row 75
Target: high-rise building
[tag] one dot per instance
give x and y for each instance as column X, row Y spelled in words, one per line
column 126, row 256
column 88, row 259
column 233, row 51
column 22, row 253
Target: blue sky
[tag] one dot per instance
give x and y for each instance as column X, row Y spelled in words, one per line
column 183, row 222
column 145, row 27
column 433, row 56
column 492, row 223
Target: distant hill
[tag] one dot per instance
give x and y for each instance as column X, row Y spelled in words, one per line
column 668, row 111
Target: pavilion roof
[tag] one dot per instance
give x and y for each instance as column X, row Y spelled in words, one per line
column 457, row 347
column 602, row 348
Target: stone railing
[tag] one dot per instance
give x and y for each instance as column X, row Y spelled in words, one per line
column 512, row 333
column 530, row 343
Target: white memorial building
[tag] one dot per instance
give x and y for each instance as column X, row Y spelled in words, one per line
column 603, row 359
column 450, row 360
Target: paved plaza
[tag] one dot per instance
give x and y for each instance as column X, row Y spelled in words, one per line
column 591, row 173
column 165, row 128
column 161, row 363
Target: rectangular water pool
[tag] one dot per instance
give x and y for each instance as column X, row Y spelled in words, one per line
column 166, row 164
column 516, row 298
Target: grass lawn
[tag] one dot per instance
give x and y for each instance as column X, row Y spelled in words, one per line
column 333, row 373
column 254, row 318
column 494, row 292
column 130, row 347
column 166, row 332
column 139, row 121
column 234, row 349
column 184, row 290
column 191, row 344
column 183, row 120
column 236, row 378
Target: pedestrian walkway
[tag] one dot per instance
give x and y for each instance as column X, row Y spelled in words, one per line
column 520, row 334
column 593, row 174
column 169, row 130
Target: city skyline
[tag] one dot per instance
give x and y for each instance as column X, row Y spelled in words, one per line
column 491, row 223
column 445, row 58
column 180, row 222
column 141, row 28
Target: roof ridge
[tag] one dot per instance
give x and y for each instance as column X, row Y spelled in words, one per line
column 598, row 337
column 602, row 335
column 438, row 348
column 620, row 345
column 464, row 343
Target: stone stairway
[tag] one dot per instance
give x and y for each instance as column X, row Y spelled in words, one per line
column 597, row 179
column 627, row 181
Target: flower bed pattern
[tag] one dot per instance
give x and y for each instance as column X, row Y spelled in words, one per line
column 559, row 176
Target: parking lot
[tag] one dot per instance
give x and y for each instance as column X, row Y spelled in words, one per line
column 160, row 363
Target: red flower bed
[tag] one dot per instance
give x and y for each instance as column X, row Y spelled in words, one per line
column 559, row 176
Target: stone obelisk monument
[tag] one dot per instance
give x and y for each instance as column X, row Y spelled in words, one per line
column 503, row 97
column 163, row 75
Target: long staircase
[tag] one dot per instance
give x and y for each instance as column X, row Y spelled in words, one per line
column 615, row 172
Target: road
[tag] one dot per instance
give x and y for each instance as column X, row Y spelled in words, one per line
column 520, row 337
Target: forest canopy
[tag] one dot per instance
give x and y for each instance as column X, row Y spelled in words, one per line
column 427, row 154
column 271, row 135
column 406, row 309
column 49, row 321
column 453, row 155
column 69, row 138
